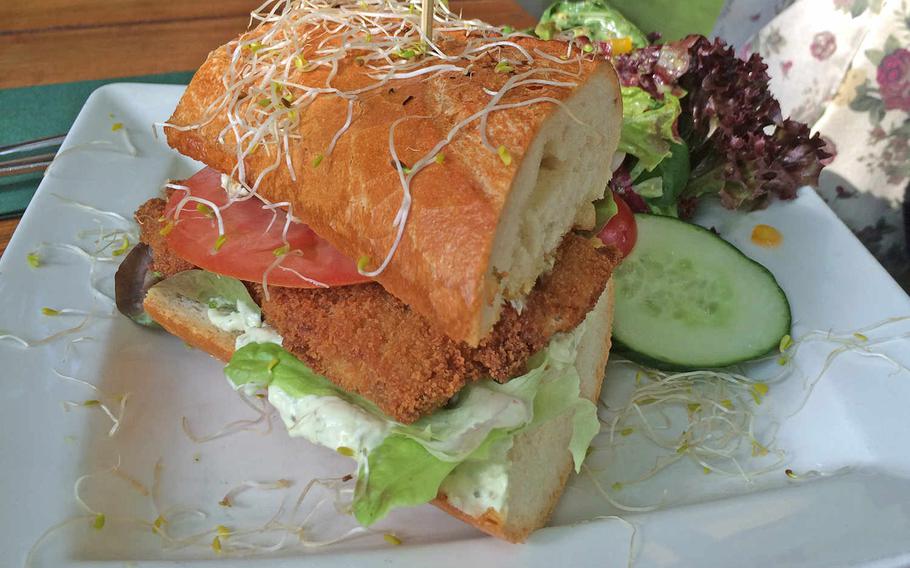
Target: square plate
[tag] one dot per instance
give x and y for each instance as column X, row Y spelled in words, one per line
column 850, row 426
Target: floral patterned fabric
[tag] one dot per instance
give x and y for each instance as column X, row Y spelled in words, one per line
column 843, row 66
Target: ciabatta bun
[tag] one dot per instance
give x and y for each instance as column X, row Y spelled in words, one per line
column 480, row 231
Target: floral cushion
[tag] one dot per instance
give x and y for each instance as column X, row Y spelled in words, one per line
column 843, row 66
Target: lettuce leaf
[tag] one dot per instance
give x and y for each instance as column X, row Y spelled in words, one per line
column 600, row 20
column 672, row 19
column 262, row 365
column 662, row 187
column 585, row 426
column 604, row 210
column 556, row 397
column 213, row 290
column 407, row 468
column 741, row 148
column 648, row 127
column 402, row 473
column 594, row 19
column 452, row 434
column 398, row 473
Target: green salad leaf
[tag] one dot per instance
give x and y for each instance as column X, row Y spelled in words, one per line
column 261, row 365
column 454, row 433
column 594, row 19
column 605, row 209
column 398, row 473
column 213, row 290
column 585, row 426
column 600, row 20
column 662, row 187
column 648, row 128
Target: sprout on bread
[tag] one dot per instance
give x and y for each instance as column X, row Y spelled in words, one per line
column 293, row 57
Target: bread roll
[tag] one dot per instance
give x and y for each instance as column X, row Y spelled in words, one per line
column 484, row 222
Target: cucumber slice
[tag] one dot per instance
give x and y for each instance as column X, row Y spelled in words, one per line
column 687, row 299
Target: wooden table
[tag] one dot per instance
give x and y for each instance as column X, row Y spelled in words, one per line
column 57, row 41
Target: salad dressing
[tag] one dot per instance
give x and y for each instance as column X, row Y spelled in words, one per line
column 766, row 236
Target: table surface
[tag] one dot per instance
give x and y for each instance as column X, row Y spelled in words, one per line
column 58, row 41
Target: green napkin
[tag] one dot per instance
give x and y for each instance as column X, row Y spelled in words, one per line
column 48, row 110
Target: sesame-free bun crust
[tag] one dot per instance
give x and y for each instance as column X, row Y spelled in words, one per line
column 479, row 231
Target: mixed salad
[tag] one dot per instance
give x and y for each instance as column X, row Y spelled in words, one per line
column 698, row 122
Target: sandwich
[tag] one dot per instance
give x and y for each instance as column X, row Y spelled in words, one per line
column 393, row 240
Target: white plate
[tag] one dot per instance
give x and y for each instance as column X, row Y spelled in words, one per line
column 853, row 426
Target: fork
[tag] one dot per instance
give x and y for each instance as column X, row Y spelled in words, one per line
column 28, row 164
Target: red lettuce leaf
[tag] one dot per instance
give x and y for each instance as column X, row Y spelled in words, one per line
column 656, row 68
column 741, row 147
column 621, row 183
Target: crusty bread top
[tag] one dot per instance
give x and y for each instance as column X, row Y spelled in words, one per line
column 443, row 267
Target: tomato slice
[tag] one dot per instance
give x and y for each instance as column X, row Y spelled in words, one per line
column 252, row 240
column 621, row 230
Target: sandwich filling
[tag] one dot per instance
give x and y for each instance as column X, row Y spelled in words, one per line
column 462, row 449
column 370, row 343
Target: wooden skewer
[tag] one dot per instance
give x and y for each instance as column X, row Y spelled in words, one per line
column 426, row 18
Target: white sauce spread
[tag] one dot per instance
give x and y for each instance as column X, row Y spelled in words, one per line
column 475, row 487
column 245, row 320
column 233, row 188
column 240, row 318
column 329, row 421
column 264, row 334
